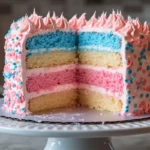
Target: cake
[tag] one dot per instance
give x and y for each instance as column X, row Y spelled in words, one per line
column 101, row 63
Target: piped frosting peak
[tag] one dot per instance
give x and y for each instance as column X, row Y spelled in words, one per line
column 37, row 20
column 73, row 22
column 62, row 23
column 129, row 28
column 101, row 21
column 49, row 22
column 54, row 17
column 82, row 21
column 91, row 23
column 26, row 26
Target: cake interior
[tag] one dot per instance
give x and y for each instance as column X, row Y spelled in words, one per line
column 89, row 77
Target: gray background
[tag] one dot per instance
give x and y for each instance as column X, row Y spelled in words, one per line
column 13, row 9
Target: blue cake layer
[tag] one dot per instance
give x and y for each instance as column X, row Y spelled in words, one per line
column 58, row 39
column 99, row 41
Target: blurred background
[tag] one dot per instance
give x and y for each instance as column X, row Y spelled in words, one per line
column 13, row 9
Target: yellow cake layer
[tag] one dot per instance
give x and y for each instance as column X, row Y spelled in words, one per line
column 50, row 59
column 99, row 101
column 104, row 59
column 52, row 101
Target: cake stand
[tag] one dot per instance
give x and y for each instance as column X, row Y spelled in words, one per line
column 74, row 136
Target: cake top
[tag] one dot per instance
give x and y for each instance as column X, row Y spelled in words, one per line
column 129, row 28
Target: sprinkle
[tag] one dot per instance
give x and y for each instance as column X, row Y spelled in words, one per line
column 139, row 59
column 135, row 105
column 131, row 51
column 147, row 95
column 129, row 71
column 142, row 36
column 129, row 101
column 140, row 63
column 148, row 67
column 141, row 95
column 20, row 82
column 18, row 95
column 128, row 92
column 133, row 97
column 135, row 111
column 23, row 109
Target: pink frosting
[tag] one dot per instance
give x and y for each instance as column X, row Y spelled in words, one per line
column 129, row 30
column 49, row 22
column 137, row 23
column 101, row 21
column 73, row 22
column 111, row 20
column 81, row 21
column 37, row 20
column 26, row 26
column 146, row 29
column 120, row 23
column 62, row 23
column 54, row 17
column 91, row 23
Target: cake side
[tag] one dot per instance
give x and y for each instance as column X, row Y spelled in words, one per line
column 137, row 54
column 102, row 37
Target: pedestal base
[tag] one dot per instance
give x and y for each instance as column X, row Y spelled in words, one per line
column 79, row 144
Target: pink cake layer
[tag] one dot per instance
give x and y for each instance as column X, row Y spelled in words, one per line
column 49, row 80
column 105, row 78
column 110, row 81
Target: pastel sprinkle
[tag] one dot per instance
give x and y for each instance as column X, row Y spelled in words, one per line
column 129, row 71
column 141, row 95
column 147, row 95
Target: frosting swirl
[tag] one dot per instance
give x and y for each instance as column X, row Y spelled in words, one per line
column 73, row 22
column 48, row 22
column 81, row 21
column 26, row 26
column 37, row 20
column 62, row 23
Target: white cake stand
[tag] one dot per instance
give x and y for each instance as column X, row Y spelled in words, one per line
column 74, row 137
